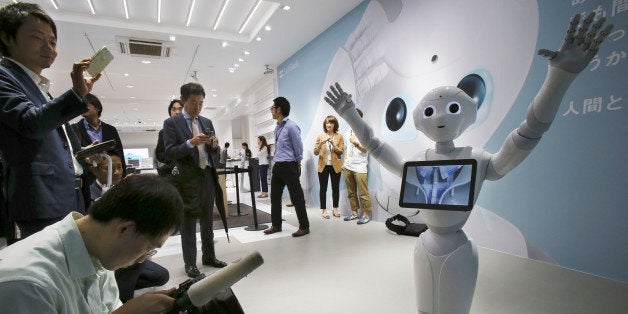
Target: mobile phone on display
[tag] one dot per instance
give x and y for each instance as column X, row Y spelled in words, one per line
column 210, row 133
column 100, row 60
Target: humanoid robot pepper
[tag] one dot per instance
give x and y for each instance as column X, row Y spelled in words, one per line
column 445, row 260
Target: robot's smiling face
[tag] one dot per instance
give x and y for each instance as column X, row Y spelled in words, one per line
column 444, row 113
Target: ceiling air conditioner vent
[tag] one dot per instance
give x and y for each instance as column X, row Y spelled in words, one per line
column 144, row 47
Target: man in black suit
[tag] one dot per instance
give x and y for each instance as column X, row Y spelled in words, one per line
column 90, row 129
column 187, row 137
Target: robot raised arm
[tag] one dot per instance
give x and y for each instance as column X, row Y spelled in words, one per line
column 384, row 153
column 578, row 49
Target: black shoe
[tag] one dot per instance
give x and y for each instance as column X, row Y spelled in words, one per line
column 214, row 262
column 192, row 271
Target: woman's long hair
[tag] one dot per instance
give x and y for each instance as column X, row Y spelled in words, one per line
column 264, row 143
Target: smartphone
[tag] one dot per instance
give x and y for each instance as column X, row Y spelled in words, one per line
column 210, row 133
column 100, row 60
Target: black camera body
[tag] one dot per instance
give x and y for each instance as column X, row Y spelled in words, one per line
column 182, row 302
column 224, row 303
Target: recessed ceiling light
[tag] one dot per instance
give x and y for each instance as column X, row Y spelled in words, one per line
column 130, row 86
column 224, row 44
column 214, row 95
column 258, row 38
column 146, row 61
column 240, row 59
column 286, row 7
column 236, row 65
column 231, row 70
column 126, row 74
column 246, row 52
column 267, row 27
column 133, row 97
column 173, row 37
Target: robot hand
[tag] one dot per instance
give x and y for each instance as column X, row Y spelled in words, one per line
column 339, row 100
column 578, row 48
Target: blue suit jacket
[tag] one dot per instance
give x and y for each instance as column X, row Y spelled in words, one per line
column 40, row 173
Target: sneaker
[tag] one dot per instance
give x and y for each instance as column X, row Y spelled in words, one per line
column 352, row 217
column 363, row 220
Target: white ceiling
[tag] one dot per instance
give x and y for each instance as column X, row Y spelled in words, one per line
column 144, row 94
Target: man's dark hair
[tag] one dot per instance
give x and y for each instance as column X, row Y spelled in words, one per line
column 245, row 144
column 283, row 104
column 172, row 102
column 153, row 204
column 227, row 144
column 94, row 101
column 190, row 89
column 14, row 15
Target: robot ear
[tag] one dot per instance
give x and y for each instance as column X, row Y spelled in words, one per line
column 474, row 86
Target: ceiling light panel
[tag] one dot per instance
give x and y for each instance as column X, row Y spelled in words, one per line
column 240, row 22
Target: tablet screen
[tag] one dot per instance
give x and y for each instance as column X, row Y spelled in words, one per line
column 438, row 184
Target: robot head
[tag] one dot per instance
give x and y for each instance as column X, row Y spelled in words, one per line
column 444, row 113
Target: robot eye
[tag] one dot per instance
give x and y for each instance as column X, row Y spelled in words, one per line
column 475, row 87
column 396, row 114
column 428, row 111
column 453, row 108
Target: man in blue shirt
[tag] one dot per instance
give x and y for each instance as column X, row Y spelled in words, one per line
column 287, row 168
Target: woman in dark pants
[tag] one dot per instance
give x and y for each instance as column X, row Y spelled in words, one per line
column 329, row 147
column 263, row 154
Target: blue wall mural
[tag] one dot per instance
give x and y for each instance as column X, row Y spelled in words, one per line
column 566, row 198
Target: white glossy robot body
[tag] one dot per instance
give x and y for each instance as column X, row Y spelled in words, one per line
column 446, row 261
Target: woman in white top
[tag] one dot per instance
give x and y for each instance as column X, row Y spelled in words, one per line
column 263, row 154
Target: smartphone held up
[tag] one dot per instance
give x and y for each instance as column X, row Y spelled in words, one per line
column 99, row 61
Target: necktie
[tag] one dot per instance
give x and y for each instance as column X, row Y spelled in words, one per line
column 202, row 156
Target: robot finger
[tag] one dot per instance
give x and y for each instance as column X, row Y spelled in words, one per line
column 340, row 91
column 329, row 101
column 332, row 97
column 547, row 54
column 573, row 24
column 600, row 37
column 593, row 32
column 584, row 28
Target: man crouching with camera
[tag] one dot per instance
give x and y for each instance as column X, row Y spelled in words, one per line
column 68, row 267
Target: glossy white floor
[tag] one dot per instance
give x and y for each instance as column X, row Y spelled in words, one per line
column 345, row 268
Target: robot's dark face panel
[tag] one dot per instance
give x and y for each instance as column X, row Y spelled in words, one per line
column 475, row 87
column 396, row 114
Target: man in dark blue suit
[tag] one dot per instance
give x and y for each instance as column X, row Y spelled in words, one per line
column 43, row 183
column 187, row 139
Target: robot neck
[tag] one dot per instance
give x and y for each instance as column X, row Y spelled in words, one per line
column 445, row 147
